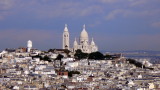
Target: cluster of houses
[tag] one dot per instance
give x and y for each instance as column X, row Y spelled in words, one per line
column 20, row 70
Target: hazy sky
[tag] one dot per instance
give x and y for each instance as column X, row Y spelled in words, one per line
column 115, row 25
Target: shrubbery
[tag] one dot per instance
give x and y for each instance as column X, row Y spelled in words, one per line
column 70, row 73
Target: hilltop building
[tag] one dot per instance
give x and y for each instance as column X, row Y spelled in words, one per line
column 29, row 45
column 65, row 38
column 83, row 44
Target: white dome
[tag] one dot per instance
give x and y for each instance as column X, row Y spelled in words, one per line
column 92, row 42
column 75, row 42
column 84, row 34
column 29, row 44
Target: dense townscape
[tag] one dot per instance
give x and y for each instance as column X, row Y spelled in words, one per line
column 82, row 67
column 59, row 69
column 79, row 44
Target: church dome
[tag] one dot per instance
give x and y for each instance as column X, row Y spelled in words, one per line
column 75, row 42
column 84, row 34
column 92, row 42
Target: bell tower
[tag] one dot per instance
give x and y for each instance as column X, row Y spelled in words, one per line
column 65, row 38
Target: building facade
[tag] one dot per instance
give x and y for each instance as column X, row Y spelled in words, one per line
column 83, row 44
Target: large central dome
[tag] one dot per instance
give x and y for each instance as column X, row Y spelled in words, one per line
column 84, row 34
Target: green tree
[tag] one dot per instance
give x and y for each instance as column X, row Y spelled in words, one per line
column 46, row 58
column 108, row 56
column 80, row 55
column 96, row 55
column 136, row 63
column 59, row 57
column 37, row 56
column 70, row 73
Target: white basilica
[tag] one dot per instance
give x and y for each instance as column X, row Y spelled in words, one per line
column 84, row 44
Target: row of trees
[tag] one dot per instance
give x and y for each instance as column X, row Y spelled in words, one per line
column 47, row 58
column 138, row 64
column 94, row 55
column 79, row 55
column 70, row 73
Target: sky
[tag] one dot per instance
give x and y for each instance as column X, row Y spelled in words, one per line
column 115, row 25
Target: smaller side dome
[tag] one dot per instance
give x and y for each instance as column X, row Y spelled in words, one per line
column 75, row 42
column 92, row 42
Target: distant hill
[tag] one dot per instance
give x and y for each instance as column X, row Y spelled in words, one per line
column 134, row 51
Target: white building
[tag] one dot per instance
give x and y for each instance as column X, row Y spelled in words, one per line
column 64, row 60
column 65, row 38
column 84, row 44
column 29, row 45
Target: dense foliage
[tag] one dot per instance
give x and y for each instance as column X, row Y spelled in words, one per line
column 70, row 73
column 59, row 57
column 80, row 55
column 45, row 58
column 138, row 64
column 96, row 56
column 64, row 50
